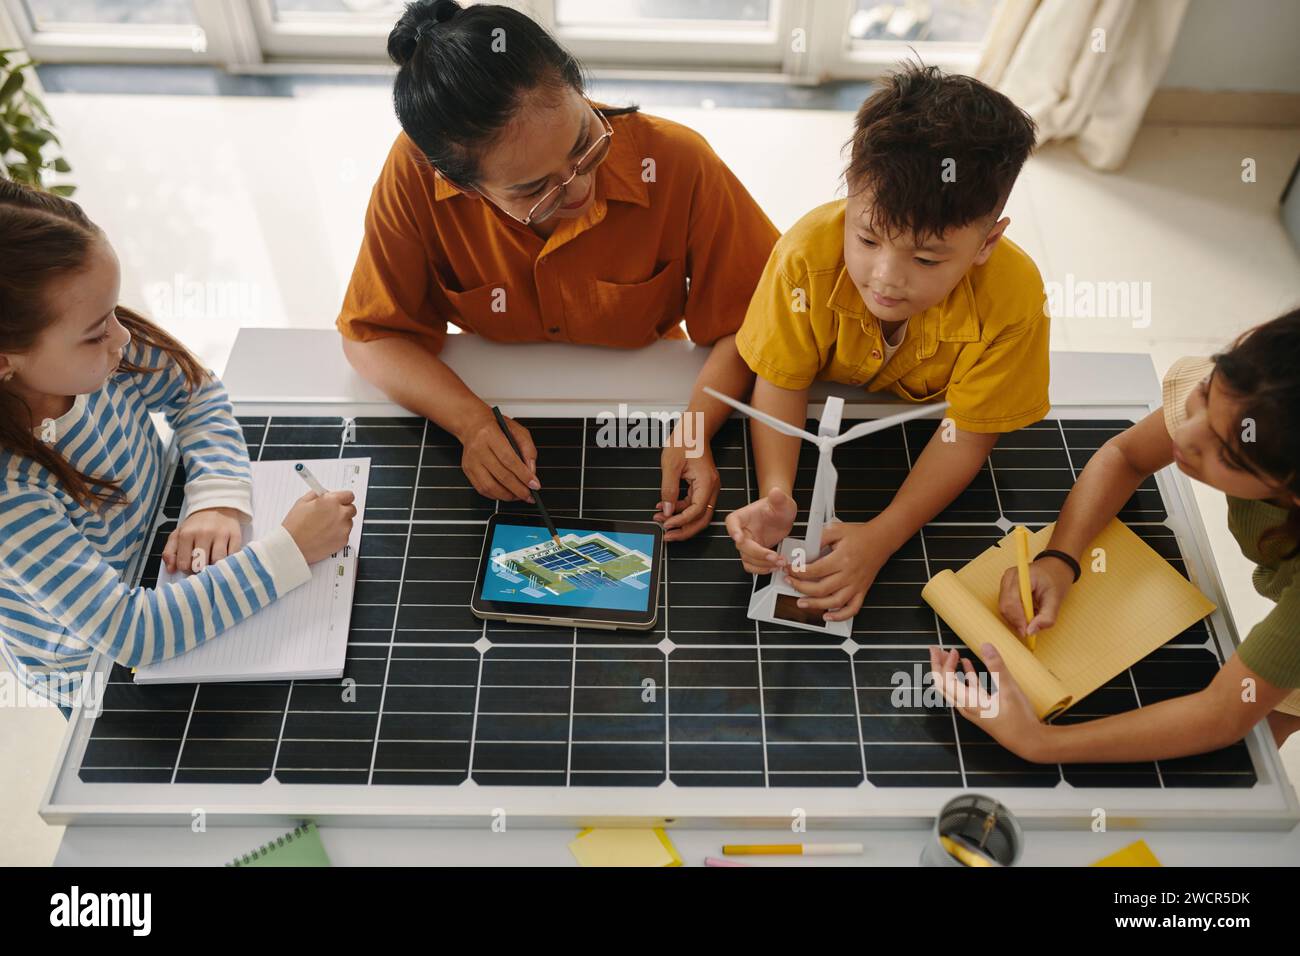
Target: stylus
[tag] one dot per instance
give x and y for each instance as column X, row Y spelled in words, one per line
column 537, row 495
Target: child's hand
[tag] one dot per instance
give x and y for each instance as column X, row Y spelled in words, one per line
column 492, row 466
column 1003, row 712
column 838, row 582
column 321, row 524
column 684, row 518
column 758, row 527
column 1049, row 579
column 214, row 531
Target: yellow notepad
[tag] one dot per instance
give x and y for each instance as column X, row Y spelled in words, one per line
column 1111, row 619
column 619, row 847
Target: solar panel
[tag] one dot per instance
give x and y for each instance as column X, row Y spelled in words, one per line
column 432, row 697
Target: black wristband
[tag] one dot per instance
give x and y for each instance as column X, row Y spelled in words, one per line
column 1052, row 553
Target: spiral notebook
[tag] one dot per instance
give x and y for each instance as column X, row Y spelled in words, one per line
column 303, row 635
column 1128, row 602
column 301, row 846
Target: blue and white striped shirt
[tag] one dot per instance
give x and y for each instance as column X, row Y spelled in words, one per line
column 62, row 597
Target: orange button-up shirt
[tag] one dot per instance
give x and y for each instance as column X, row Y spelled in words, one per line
column 672, row 235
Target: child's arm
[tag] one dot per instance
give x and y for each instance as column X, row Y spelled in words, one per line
column 218, row 485
column 939, row 475
column 1109, row 479
column 761, row 525
column 48, row 560
column 838, row 583
column 776, row 456
column 1209, row 719
column 217, row 472
column 726, row 372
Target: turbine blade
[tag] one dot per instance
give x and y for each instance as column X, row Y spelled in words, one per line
column 784, row 428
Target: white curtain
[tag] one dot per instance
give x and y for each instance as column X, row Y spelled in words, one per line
column 1083, row 69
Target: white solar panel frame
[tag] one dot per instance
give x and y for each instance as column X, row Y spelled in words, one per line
column 1270, row 805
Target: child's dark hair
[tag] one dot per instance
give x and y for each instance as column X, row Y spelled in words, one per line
column 922, row 124
column 1262, row 371
column 464, row 72
column 43, row 238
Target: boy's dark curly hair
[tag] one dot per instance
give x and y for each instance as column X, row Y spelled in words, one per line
column 905, row 131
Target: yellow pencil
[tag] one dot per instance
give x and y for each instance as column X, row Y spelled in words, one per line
column 1022, row 569
column 965, row 854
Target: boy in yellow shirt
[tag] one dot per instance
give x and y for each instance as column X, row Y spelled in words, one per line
column 908, row 285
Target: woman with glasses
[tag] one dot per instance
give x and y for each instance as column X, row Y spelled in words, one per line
column 514, row 207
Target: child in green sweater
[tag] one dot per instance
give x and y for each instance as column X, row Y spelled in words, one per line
column 1232, row 422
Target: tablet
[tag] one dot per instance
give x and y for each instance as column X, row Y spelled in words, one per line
column 603, row 573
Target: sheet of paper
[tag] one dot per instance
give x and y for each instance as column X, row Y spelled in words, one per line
column 970, row 617
column 305, row 633
column 1136, row 853
column 1128, row 602
column 619, row 847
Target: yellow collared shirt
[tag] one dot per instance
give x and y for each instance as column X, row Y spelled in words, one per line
column 984, row 348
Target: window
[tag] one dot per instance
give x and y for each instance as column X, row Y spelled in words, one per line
column 47, row 13
column 649, row 13
column 921, row 21
column 111, row 29
column 306, row 11
column 807, row 40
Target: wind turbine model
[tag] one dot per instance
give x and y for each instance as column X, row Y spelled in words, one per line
column 776, row 603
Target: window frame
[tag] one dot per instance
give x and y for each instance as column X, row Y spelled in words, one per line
column 246, row 36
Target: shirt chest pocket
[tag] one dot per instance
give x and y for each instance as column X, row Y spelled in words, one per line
column 925, row 383
column 485, row 309
column 631, row 315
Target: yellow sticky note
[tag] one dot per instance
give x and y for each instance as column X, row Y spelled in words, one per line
column 618, row 847
column 1135, row 854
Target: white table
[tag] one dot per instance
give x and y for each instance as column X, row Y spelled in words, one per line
column 291, row 367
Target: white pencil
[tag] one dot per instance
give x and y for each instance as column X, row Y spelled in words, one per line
column 305, row 474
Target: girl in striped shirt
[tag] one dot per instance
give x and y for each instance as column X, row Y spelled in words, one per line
column 81, row 467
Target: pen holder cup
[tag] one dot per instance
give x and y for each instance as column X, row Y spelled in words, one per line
column 965, row 819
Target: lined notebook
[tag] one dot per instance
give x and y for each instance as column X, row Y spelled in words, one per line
column 305, row 633
column 1110, row 620
column 301, row 846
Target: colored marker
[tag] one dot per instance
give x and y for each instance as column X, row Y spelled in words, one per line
column 312, row 482
column 1022, row 572
column 714, row 861
column 793, row 849
column 967, row 854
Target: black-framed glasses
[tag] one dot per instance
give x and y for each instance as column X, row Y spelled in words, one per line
column 596, row 153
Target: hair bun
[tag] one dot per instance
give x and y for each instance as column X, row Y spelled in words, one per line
column 415, row 24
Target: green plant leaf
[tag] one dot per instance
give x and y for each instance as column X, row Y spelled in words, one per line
column 11, row 86
column 61, row 165
column 63, row 190
column 32, row 138
column 35, row 103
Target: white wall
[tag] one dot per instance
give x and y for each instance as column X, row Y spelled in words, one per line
column 1237, row 45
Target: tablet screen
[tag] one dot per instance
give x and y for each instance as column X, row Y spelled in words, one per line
column 605, row 570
